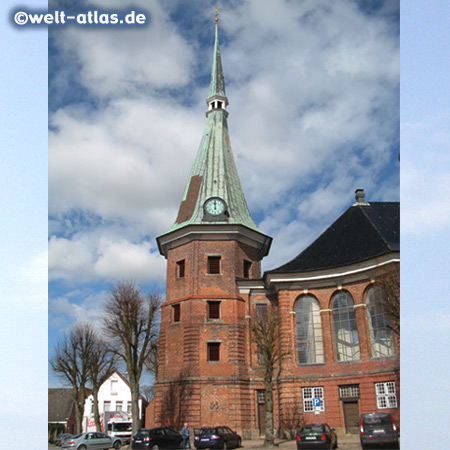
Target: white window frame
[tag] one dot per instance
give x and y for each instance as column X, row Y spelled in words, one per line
column 386, row 395
column 380, row 325
column 308, row 393
column 310, row 347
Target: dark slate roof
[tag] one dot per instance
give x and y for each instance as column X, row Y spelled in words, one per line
column 60, row 404
column 363, row 232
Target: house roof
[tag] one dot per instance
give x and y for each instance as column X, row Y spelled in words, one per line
column 363, row 232
column 60, row 404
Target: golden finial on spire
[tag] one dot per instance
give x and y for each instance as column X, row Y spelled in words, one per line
column 217, row 14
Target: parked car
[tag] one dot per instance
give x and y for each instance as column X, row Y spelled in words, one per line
column 377, row 429
column 316, row 435
column 91, row 440
column 61, row 437
column 216, row 437
column 156, row 438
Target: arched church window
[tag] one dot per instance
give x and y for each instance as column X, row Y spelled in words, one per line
column 309, row 330
column 345, row 330
column 380, row 325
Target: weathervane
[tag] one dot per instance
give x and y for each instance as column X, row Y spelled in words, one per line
column 217, row 14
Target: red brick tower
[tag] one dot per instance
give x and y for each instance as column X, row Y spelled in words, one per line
column 205, row 338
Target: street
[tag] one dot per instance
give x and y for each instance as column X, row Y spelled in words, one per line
column 347, row 442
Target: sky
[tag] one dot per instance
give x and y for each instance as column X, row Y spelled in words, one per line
column 23, row 230
column 313, row 92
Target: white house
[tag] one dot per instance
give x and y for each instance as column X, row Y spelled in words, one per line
column 114, row 395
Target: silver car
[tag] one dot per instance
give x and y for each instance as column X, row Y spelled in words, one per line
column 92, row 440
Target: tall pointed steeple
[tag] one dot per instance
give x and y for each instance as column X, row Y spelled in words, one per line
column 213, row 195
column 217, row 87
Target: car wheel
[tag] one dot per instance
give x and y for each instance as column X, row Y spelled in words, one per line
column 239, row 445
column 117, row 445
column 224, row 446
column 155, row 447
column 82, row 447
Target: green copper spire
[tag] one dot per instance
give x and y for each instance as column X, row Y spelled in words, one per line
column 214, row 193
column 217, row 88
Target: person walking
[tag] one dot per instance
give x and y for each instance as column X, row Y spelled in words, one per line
column 185, row 436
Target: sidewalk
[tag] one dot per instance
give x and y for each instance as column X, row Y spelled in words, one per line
column 347, row 442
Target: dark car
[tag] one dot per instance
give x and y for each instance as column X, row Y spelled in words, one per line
column 61, row 437
column 216, row 437
column 316, row 435
column 156, row 438
column 377, row 429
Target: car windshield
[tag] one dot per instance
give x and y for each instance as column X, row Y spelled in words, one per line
column 204, row 431
column 76, row 436
column 121, row 426
column 313, row 429
column 382, row 419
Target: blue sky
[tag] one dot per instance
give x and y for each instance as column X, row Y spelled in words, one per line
column 425, row 220
column 23, row 249
column 126, row 118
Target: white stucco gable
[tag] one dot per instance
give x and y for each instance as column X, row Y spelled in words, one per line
column 113, row 395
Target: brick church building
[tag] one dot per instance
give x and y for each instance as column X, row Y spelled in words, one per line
column 339, row 342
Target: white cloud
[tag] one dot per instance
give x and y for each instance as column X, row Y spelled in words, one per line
column 126, row 62
column 123, row 260
column 94, row 256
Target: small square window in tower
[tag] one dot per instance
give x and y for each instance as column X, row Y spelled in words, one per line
column 176, row 312
column 213, row 310
column 213, row 351
column 247, row 267
column 214, row 264
column 180, row 269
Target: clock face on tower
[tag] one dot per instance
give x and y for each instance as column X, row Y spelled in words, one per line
column 214, row 206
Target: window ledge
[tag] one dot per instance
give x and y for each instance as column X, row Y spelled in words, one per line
column 381, row 358
column 311, row 364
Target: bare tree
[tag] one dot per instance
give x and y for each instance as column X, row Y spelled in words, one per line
column 152, row 361
column 148, row 391
column 130, row 321
column 265, row 333
column 389, row 301
column 151, row 364
column 70, row 362
column 102, row 364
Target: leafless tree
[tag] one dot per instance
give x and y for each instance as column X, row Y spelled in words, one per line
column 102, row 364
column 389, row 301
column 70, row 362
column 152, row 361
column 265, row 333
column 130, row 321
column 148, row 391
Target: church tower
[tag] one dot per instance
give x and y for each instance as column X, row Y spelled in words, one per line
column 205, row 342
